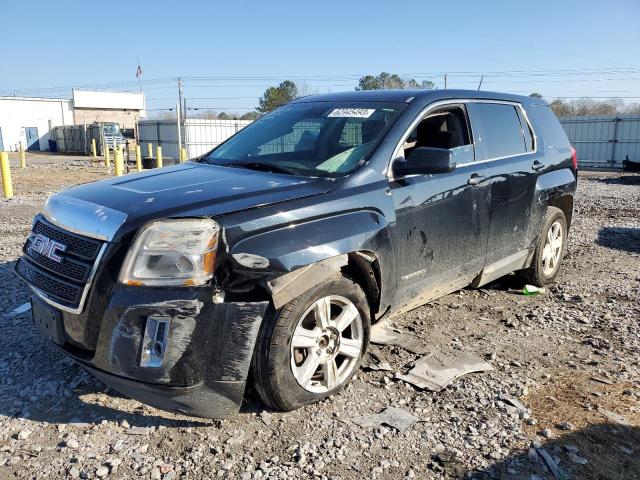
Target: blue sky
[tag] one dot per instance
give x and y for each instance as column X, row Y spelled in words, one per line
column 325, row 45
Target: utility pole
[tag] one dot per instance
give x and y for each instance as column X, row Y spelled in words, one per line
column 445, row 81
column 180, row 85
column 181, row 115
column 480, row 84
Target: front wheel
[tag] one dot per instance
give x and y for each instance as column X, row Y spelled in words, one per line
column 312, row 346
column 550, row 249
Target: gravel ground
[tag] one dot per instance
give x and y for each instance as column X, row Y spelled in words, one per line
column 562, row 399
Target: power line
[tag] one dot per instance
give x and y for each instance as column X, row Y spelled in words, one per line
column 329, row 78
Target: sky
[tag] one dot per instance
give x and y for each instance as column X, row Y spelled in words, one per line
column 557, row 48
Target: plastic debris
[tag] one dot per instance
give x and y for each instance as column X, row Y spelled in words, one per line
column 555, row 470
column 436, row 371
column 383, row 333
column 391, row 416
column 531, row 290
column 375, row 361
column 614, row 417
column 25, row 307
column 514, row 402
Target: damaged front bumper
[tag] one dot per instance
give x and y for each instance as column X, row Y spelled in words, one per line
column 202, row 367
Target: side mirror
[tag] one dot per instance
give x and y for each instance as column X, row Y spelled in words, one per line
column 423, row 161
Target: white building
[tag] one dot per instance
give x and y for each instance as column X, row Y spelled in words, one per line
column 29, row 120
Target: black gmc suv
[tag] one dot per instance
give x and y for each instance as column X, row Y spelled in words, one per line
column 273, row 253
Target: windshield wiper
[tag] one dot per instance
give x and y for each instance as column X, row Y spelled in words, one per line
column 264, row 167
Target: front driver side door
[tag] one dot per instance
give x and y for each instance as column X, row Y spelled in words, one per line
column 441, row 228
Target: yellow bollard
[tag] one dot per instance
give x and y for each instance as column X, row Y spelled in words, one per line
column 183, row 155
column 138, row 159
column 159, row 156
column 94, row 153
column 23, row 157
column 118, row 161
column 5, row 170
column 107, row 160
column 149, row 150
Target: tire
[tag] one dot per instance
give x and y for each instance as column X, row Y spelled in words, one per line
column 544, row 269
column 277, row 355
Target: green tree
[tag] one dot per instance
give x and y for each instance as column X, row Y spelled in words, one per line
column 392, row 80
column 250, row 116
column 224, row 116
column 535, row 95
column 275, row 97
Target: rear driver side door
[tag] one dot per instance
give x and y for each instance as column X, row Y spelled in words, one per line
column 506, row 144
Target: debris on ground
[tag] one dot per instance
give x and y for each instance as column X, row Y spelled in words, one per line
column 555, row 470
column 436, row 371
column 514, row 402
column 25, row 307
column 375, row 361
column 532, row 290
column 614, row 417
column 383, row 333
column 390, row 416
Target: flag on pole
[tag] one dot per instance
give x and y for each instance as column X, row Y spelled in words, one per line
column 139, row 72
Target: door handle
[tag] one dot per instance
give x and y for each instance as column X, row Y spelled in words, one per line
column 537, row 165
column 476, row 179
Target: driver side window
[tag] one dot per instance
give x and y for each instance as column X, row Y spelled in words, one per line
column 446, row 127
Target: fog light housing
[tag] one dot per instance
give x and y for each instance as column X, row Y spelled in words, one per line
column 154, row 343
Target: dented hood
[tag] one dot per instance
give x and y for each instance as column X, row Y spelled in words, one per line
column 175, row 191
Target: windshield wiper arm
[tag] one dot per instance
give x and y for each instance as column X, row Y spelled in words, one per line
column 264, row 166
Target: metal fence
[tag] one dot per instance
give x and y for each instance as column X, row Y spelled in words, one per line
column 198, row 135
column 77, row 138
column 604, row 141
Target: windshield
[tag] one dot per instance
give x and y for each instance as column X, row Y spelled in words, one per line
column 111, row 128
column 315, row 139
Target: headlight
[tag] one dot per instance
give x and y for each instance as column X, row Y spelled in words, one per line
column 172, row 252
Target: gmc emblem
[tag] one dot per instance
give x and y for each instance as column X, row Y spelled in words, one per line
column 47, row 247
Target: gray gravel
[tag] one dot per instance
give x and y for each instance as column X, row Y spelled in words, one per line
column 58, row 421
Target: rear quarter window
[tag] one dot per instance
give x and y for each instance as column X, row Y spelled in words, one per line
column 500, row 130
column 548, row 126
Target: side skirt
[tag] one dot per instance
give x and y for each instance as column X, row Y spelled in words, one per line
column 517, row 261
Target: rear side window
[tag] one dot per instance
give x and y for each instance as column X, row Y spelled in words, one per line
column 501, row 133
column 526, row 131
column 545, row 120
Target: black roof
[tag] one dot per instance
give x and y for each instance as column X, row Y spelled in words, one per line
column 425, row 96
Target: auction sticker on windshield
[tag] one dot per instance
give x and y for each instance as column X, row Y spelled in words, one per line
column 352, row 112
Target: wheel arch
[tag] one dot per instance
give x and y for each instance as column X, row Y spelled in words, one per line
column 564, row 203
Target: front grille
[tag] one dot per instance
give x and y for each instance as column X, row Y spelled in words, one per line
column 82, row 247
column 64, row 281
column 63, row 292
column 71, row 269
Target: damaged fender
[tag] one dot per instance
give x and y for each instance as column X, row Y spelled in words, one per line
column 289, row 259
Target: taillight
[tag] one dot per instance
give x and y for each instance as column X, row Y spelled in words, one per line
column 574, row 158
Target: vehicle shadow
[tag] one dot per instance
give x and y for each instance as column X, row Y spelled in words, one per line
column 620, row 238
column 602, row 451
column 38, row 382
column 619, row 180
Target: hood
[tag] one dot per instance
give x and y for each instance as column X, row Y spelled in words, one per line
column 174, row 191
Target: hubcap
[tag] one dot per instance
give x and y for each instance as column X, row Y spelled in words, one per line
column 326, row 344
column 552, row 249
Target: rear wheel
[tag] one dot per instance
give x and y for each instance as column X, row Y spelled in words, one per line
column 550, row 249
column 312, row 346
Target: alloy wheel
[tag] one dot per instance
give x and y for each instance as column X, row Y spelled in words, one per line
column 326, row 344
column 552, row 250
